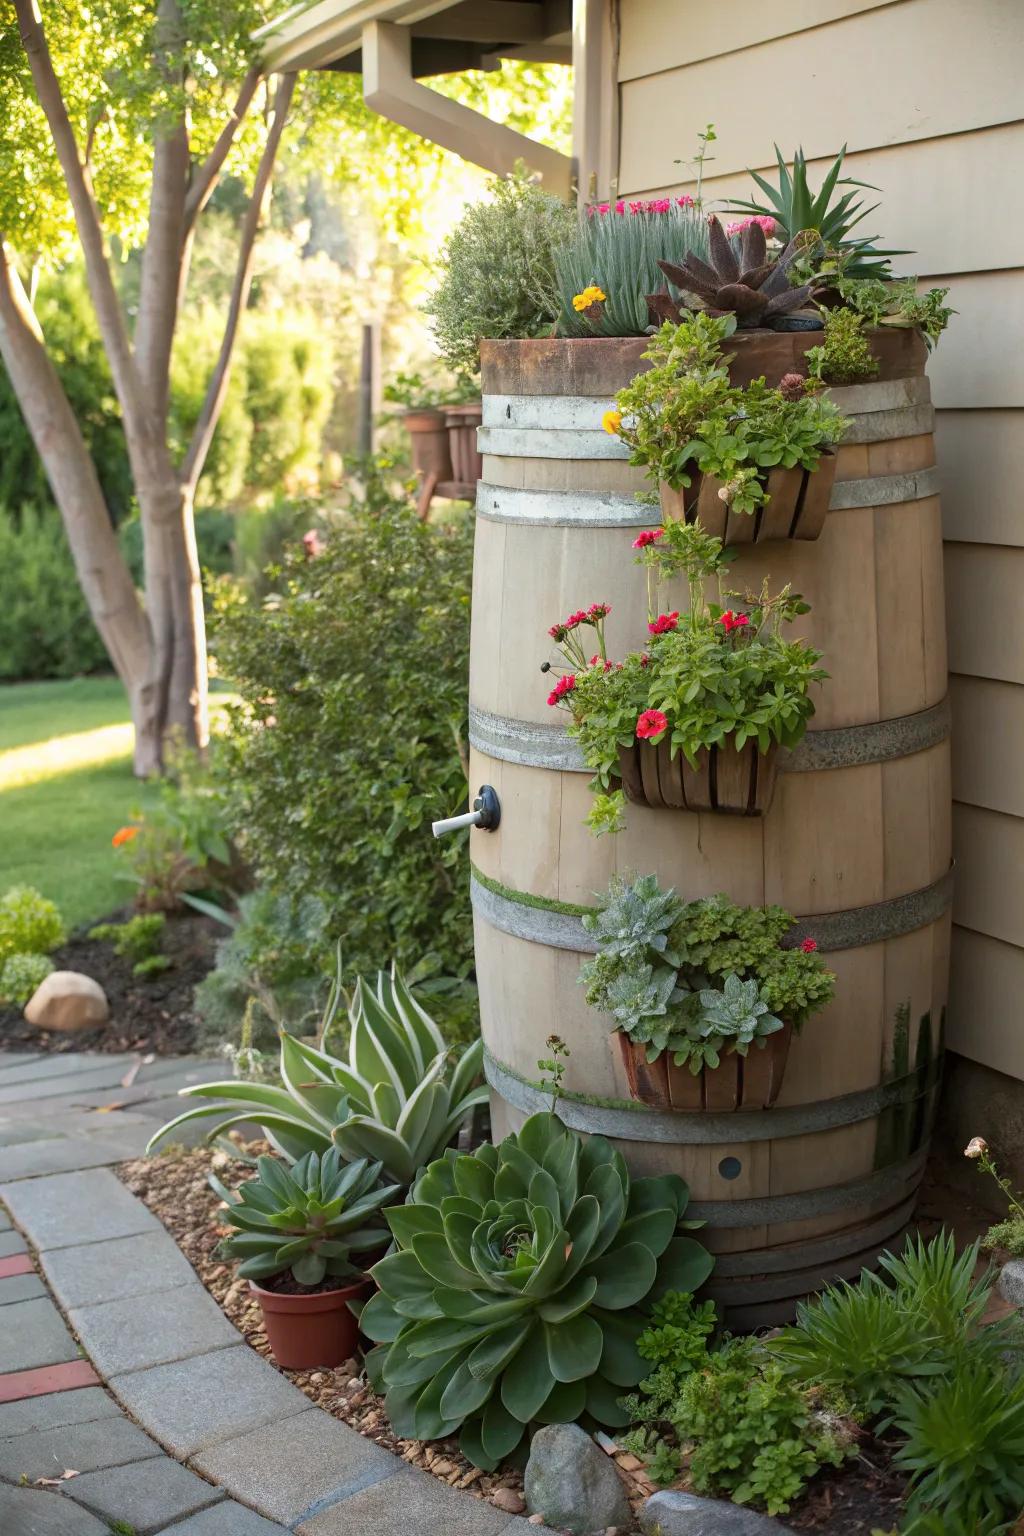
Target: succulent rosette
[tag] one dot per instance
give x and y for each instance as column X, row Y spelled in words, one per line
column 523, row 1277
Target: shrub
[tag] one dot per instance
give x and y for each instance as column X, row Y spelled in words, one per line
column 498, row 277
column 21, row 974
column 845, row 356
column 29, row 923
column 139, row 940
column 45, row 628
column 351, row 733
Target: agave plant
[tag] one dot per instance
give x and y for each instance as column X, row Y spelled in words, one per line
column 395, row 1100
column 310, row 1218
column 520, row 1288
column 794, row 208
column 745, row 282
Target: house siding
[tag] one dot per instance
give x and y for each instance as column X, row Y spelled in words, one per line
column 929, row 97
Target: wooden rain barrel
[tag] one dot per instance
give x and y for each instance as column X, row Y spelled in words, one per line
column 856, row 844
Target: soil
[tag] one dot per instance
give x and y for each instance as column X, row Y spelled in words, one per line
column 152, row 1014
column 287, row 1285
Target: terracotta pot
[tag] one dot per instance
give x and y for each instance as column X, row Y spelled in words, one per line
column 736, row 783
column 313, row 1330
column 462, row 422
column 429, row 443
column 740, row 1082
column 798, row 501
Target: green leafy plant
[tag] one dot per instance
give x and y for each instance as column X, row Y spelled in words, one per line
column 683, row 416
column 795, row 208
column 498, row 271
column 181, row 844
column 139, row 940
column 845, row 355
column 1008, row 1234
column 416, row 393
column 45, row 628
column 738, row 277
column 518, row 1291
column 701, row 978
column 21, row 974
column 897, row 304
column 29, row 923
column 612, row 262
column 310, row 1219
column 393, row 1099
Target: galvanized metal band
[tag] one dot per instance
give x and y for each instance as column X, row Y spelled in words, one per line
column 883, row 426
column 540, row 922
column 794, row 1257
column 549, row 442
column 885, row 490
column 888, row 1184
column 562, row 509
column 630, row 1121
column 890, row 395
column 550, row 746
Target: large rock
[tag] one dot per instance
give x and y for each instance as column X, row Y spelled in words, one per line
column 683, row 1514
column 67, row 1000
column 572, row 1483
column 1011, row 1282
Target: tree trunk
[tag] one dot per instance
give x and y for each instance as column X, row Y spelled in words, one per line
column 174, row 604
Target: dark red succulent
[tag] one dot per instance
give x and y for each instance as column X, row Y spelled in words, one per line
column 749, row 283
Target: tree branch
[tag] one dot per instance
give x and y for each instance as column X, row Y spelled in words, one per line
column 205, row 178
column 216, row 391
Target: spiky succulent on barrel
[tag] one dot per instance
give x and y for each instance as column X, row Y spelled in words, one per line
column 520, row 1287
column 746, row 281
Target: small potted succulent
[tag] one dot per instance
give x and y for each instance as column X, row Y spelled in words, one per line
column 695, row 720
column 299, row 1231
column 705, row 995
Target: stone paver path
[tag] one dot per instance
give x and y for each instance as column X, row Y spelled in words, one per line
column 116, row 1363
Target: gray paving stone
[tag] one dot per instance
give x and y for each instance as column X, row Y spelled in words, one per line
column 36, row 1415
column 192, row 1404
column 20, row 1288
column 124, row 1266
column 408, row 1501
column 14, row 1131
column 86, row 1447
column 107, row 1075
column 62, row 1154
column 5, row 1221
column 231, row 1519
column 33, row 1334
column 288, row 1469
column 62, row 1064
column 11, row 1243
column 34, row 1512
column 17, row 1058
column 130, row 1335
column 65, row 1209
column 146, row 1496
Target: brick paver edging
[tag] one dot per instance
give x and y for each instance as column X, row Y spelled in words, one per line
column 183, row 1372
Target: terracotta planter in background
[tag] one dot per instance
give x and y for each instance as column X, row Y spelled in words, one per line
column 428, row 442
column 312, row 1330
column 462, row 422
column 798, row 502
column 737, row 783
column 752, row 1081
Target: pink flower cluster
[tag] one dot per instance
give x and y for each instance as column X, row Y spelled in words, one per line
column 642, row 205
column 649, row 536
column 564, row 685
column 591, row 615
column 809, row 946
column 664, row 623
column 766, row 223
column 730, row 621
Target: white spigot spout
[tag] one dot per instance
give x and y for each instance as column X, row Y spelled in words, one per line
column 486, row 814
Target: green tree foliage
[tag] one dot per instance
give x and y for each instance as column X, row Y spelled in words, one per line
column 45, row 628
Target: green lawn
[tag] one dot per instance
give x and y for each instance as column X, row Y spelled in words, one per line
column 66, row 785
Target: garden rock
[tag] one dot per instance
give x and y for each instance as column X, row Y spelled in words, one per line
column 67, row 1000
column 683, row 1514
column 572, row 1483
column 1011, row 1282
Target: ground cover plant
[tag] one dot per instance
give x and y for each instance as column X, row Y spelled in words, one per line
column 31, row 928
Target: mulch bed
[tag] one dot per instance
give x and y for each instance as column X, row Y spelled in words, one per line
column 155, row 1014
column 864, row 1496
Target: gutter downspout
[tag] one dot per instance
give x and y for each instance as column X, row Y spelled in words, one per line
column 390, row 89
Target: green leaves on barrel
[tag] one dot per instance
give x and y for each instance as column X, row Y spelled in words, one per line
column 520, row 1287
column 313, row 1218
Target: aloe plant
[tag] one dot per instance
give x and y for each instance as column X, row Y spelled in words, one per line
column 395, row 1100
column 311, row 1218
column 523, row 1277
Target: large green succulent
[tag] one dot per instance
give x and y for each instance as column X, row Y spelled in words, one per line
column 311, row 1218
column 395, row 1100
column 522, row 1281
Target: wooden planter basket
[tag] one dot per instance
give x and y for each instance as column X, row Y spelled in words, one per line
column 736, row 783
column 752, row 1081
column 799, row 499
column 462, row 422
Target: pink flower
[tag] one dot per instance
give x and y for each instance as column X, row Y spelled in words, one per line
column 644, row 659
column 685, row 201
column 597, row 611
column 620, row 207
column 651, row 723
column 649, row 536
column 596, row 661
column 312, row 543
column 664, row 623
column 766, row 223
column 809, row 946
column 564, row 685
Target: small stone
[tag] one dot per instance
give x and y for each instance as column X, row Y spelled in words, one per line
column 629, row 1463
column 67, row 1000
column 683, row 1514
column 441, row 1468
column 1011, row 1282
column 535, row 1520
column 509, row 1500
column 573, row 1483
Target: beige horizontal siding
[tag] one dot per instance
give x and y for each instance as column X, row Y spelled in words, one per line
column 988, row 744
column 984, row 610
column 980, row 360
column 988, row 850
column 986, row 985
column 895, row 75
column 981, row 457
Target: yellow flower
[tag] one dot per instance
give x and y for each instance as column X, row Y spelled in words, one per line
column 591, row 295
column 612, row 421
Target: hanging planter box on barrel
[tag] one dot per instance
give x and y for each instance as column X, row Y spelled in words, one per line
column 796, row 501
column 737, row 783
column 740, row 1082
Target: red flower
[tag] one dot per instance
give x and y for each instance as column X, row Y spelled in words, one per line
column 730, row 621
column 564, row 685
column 596, row 611
column 664, row 623
column 595, row 661
column 644, row 659
column 809, row 946
column 651, row 723
column 649, row 536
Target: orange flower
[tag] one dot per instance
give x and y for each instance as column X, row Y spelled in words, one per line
column 123, row 835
